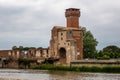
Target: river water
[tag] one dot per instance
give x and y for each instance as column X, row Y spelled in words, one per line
column 14, row 74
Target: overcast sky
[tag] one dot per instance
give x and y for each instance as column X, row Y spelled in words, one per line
column 29, row 22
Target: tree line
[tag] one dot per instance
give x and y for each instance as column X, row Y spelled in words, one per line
column 24, row 48
column 89, row 48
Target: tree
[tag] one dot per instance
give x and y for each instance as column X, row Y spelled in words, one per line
column 89, row 43
column 114, row 51
column 14, row 48
column 21, row 47
column 111, row 48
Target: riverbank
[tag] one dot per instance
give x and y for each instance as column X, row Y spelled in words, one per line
column 106, row 69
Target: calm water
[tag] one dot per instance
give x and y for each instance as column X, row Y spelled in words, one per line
column 13, row 74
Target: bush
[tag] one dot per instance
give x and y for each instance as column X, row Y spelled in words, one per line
column 106, row 57
column 110, row 69
column 23, row 62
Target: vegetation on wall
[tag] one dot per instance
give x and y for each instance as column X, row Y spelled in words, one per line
column 23, row 63
column 22, row 48
column 50, row 60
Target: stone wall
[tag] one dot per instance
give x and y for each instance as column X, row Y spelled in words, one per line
column 115, row 62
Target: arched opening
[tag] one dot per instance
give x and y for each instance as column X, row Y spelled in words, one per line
column 62, row 54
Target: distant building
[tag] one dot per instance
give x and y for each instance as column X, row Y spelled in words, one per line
column 40, row 53
column 66, row 42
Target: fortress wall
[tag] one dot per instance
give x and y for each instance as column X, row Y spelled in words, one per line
column 115, row 62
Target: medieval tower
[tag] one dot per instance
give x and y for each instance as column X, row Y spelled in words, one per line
column 66, row 42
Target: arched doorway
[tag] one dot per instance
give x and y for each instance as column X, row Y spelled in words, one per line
column 62, row 54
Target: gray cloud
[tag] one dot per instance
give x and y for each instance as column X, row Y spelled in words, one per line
column 29, row 22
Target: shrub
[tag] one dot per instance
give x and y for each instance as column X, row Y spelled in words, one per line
column 111, row 69
column 23, row 62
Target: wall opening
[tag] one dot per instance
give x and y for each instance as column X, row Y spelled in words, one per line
column 62, row 54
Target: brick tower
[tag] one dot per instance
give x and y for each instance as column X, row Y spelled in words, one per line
column 72, row 15
column 66, row 42
column 72, row 18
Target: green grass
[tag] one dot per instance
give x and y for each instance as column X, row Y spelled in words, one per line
column 107, row 69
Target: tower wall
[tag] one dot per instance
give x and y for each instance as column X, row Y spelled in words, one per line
column 72, row 15
column 77, row 35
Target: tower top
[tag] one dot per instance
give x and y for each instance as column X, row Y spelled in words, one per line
column 72, row 15
column 72, row 9
column 72, row 12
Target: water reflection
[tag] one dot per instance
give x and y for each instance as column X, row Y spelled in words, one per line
column 59, row 75
column 12, row 74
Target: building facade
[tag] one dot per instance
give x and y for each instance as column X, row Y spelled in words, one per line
column 66, row 42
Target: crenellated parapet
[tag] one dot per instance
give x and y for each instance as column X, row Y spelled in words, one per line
column 72, row 12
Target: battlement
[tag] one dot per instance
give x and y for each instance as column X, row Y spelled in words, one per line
column 72, row 12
